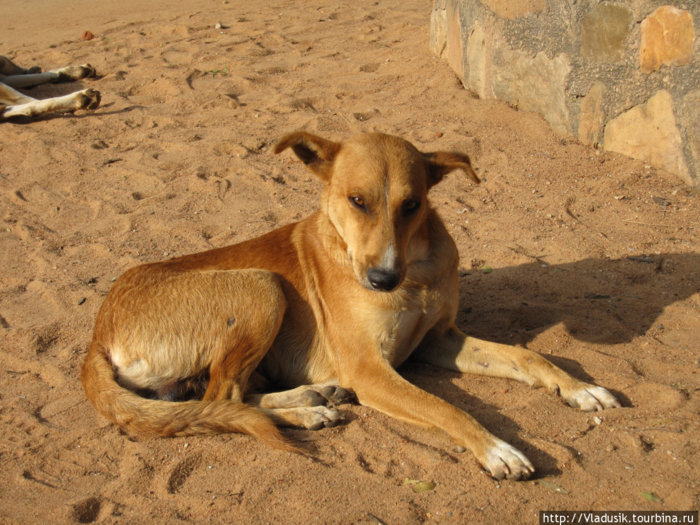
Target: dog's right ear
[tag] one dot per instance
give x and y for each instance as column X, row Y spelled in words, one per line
column 440, row 163
column 317, row 153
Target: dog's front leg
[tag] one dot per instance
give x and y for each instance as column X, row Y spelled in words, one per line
column 28, row 107
column 379, row 386
column 456, row 351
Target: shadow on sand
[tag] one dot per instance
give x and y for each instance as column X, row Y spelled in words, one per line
column 598, row 301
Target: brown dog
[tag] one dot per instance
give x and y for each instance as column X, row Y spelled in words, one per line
column 16, row 104
column 333, row 302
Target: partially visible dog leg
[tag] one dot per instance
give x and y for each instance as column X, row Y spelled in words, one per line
column 162, row 326
column 9, row 96
column 8, row 67
column 312, row 418
column 85, row 99
column 456, row 351
column 64, row 74
column 246, row 341
column 303, row 396
column 308, row 406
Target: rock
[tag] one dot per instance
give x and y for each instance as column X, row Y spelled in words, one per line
column 689, row 121
column 438, row 28
column 604, row 32
column 455, row 57
column 512, row 9
column 533, row 83
column 581, row 65
column 648, row 132
column 478, row 53
column 592, row 115
column 667, row 38
column 446, row 34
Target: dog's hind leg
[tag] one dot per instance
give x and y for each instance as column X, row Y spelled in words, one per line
column 307, row 406
column 247, row 339
column 11, row 97
column 454, row 350
column 174, row 326
column 9, row 68
column 64, row 74
column 29, row 107
column 304, row 396
column 312, row 418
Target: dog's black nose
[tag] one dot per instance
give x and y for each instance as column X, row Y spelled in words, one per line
column 385, row 280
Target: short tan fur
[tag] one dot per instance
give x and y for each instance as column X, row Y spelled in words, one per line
column 330, row 304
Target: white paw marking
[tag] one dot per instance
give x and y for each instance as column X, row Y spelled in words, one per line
column 592, row 398
column 506, row 461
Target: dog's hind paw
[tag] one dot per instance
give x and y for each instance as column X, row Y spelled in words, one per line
column 90, row 98
column 591, row 398
column 505, row 461
column 70, row 73
column 311, row 418
column 315, row 418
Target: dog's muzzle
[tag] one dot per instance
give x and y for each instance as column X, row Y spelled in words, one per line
column 383, row 280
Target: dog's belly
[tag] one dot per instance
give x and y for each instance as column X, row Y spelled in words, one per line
column 158, row 361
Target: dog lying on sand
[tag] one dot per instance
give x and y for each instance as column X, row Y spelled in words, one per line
column 14, row 103
column 325, row 306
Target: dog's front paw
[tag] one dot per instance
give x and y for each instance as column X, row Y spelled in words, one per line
column 337, row 395
column 591, row 398
column 505, row 461
column 324, row 395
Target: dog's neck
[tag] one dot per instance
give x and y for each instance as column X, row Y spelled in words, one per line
column 331, row 242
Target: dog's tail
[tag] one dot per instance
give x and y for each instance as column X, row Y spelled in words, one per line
column 164, row 418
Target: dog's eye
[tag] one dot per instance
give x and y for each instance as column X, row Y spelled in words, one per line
column 410, row 206
column 359, row 202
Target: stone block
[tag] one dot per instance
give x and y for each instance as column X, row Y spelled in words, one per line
column 532, row 83
column 592, row 115
column 582, row 65
column 512, row 9
column 479, row 61
column 667, row 38
column 649, row 132
column 455, row 47
column 604, row 32
column 689, row 121
column 438, row 28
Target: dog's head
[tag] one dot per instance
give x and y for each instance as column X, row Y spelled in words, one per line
column 376, row 197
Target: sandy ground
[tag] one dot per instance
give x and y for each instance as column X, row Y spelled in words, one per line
column 585, row 256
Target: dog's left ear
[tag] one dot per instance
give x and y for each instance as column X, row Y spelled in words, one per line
column 317, row 153
column 440, row 163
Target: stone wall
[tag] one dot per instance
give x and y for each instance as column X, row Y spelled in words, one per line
column 623, row 76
